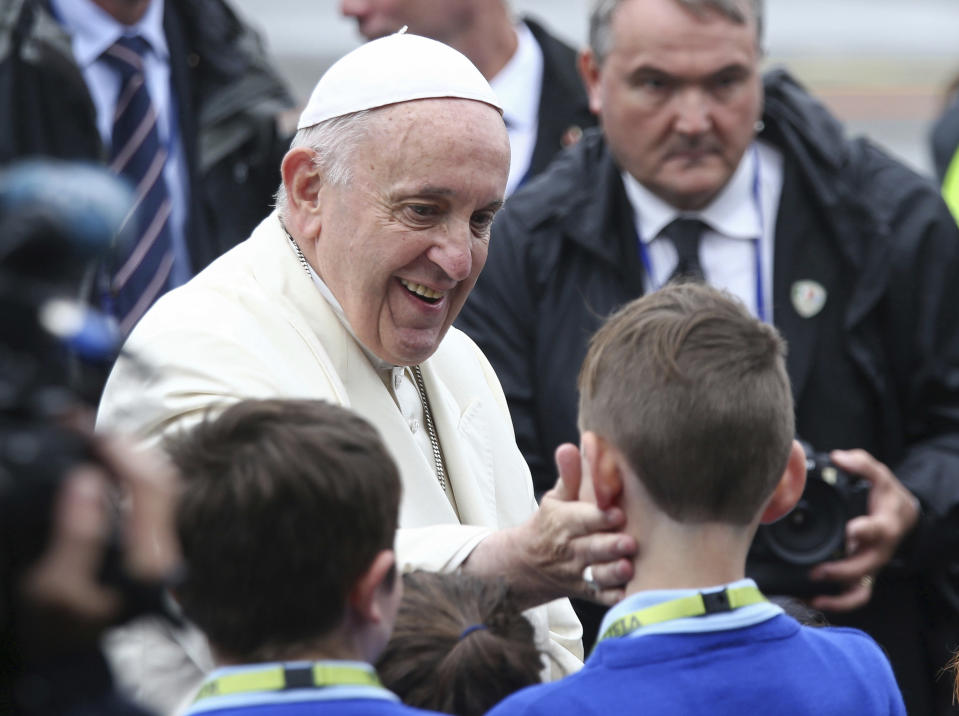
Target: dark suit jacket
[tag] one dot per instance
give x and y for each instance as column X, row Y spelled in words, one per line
column 563, row 107
column 227, row 99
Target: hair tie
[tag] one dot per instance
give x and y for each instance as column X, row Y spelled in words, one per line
column 470, row 629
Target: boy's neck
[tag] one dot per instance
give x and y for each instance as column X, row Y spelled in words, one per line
column 328, row 649
column 683, row 556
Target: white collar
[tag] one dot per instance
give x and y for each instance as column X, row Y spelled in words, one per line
column 518, row 84
column 734, row 212
column 378, row 363
column 93, row 30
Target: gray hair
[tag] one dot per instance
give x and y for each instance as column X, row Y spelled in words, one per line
column 333, row 143
column 601, row 19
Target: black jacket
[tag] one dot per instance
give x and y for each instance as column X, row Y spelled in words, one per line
column 228, row 98
column 944, row 137
column 563, row 107
column 877, row 368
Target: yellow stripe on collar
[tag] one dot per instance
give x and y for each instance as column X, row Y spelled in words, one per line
column 695, row 605
column 278, row 678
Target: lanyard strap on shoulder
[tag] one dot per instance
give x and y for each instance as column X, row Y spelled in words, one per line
column 279, row 678
column 695, row 605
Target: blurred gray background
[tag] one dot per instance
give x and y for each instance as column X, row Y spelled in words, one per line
column 881, row 65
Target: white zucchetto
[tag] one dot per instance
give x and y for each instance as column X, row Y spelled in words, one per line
column 396, row 68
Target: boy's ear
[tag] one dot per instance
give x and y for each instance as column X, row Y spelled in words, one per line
column 604, row 469
column 790, row 487
column 379, row 578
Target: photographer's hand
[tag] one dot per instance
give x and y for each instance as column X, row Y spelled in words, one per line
column 64, row 603
column 872, row 539
column 149, row 485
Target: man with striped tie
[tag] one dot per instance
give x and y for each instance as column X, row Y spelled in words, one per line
column 174, row 96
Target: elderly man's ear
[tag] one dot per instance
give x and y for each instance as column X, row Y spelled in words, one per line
column 303, row 180
column 589, row 70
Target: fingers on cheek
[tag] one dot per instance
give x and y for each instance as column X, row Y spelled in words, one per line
column 613, row 574
column 602, row 549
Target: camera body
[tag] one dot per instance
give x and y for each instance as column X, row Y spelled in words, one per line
column 783, row 552
column 57, row 219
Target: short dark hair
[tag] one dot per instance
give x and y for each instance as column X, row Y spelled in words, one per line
column 693, row 391
column 601, row 19
column 435, row 661
column 285, row 504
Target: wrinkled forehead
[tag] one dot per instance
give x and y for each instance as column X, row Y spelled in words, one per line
column 435, row 137
column 441, row 110
column 431, row 125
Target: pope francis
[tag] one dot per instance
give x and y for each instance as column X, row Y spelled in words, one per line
column 347, row 293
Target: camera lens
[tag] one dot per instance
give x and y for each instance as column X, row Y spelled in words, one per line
column 814, row 531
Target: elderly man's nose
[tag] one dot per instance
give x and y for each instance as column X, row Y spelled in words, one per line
column 692, row 113
column 453, row 254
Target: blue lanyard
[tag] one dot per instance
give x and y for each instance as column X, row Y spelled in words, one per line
column 756, row 242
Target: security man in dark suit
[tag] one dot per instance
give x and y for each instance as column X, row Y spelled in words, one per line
column 707, row 169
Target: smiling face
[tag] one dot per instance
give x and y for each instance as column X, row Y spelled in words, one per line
column 679, row 94
column 402, row 244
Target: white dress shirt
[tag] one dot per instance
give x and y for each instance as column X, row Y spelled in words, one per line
column 518, row 87
column 741, row 221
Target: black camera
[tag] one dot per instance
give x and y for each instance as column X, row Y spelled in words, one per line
column 784, row 551
column 57, row 220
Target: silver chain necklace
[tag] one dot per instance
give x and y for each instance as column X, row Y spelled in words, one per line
column 430, row 428
column 417, row 374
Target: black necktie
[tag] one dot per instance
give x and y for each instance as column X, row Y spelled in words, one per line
column 685, row 235
column 142, row 270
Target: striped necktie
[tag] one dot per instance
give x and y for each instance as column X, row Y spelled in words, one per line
column 141, row 270
column 685, row 235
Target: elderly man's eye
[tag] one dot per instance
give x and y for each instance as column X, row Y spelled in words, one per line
column 422, row 209
column 419, row 215
column 482, row 220
column 652, row 83
column 726, row 83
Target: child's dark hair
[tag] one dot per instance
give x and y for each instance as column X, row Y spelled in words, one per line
column 459, row 646
column 285, row 504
